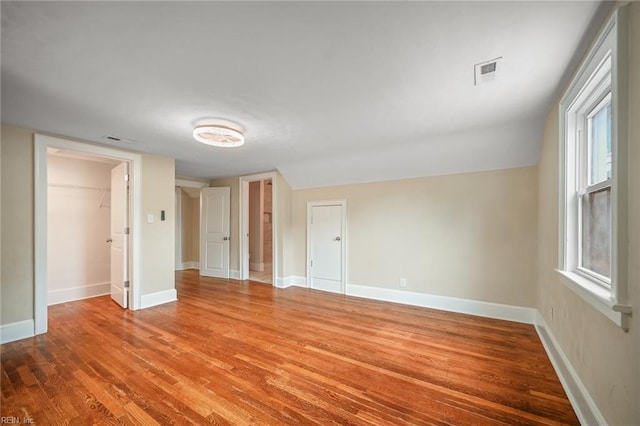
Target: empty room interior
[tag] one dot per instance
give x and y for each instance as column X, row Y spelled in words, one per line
column 320, row 212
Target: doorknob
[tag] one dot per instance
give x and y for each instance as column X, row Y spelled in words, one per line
column 226, row 238
column 337, row 238
column 109, row 240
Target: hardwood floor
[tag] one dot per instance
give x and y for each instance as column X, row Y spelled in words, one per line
column 264, row 276
column 231, row 352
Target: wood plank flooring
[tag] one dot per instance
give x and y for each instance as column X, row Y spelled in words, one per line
column 231, row 352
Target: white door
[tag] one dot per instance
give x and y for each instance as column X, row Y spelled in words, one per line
column 215, row 214
column 119, row 234
column 326, row 247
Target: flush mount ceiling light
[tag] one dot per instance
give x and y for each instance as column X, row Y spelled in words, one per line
column 218, row 133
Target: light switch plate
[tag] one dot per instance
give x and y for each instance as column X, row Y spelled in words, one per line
column 149, row 218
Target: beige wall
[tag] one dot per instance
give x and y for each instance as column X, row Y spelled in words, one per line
column 282, row 205
column 605, row 357
column 195, row 231
column 17, row 284
column 471, row 235
column 186, row 227
column 78, row 226
column 190, row 227
column 158, row 238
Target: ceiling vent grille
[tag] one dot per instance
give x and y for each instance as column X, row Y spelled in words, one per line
column 488, row 71
column 112, row 138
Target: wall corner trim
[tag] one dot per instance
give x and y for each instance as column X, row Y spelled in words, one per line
column 190, row 265
column 445, row 303
column 17, row 331
column 581, row 400
column 158, row 298
column 291, row 280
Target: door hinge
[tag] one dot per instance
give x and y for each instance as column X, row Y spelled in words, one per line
column 126, row 178
column 127, row 284
column 126, row 230
column 312, row 263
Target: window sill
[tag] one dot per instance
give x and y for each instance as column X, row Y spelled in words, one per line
column 598, row 297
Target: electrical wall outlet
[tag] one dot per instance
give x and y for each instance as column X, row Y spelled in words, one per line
column 403, row 282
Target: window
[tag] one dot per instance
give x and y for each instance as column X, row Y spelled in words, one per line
column 593, row 122
column 593, row 185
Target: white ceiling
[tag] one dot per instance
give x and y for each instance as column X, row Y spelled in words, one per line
column 328, row 92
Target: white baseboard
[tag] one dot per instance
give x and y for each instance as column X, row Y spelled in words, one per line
column 291, row 280
column 159, row 298
column 234, row 274
column 55, row 297
column 445, row 303
column 581, row 401
column 16, row 331
column 190, row 265
column 259, row 267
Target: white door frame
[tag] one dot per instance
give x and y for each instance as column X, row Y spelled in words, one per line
column 343, row 239
column 243, row 254
column 42, row 143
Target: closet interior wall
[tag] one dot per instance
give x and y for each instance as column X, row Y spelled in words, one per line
column 78, row 227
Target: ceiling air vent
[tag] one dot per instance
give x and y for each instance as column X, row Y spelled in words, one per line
column 112, row 138
column 486, row 72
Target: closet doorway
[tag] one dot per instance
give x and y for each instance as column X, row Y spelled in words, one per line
column 43, row 146
column 79, row 240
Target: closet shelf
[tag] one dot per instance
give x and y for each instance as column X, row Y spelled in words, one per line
column 64, row 185
column 91, row 188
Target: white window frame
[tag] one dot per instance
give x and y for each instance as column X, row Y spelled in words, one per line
column 599, row 91
column 590, row 84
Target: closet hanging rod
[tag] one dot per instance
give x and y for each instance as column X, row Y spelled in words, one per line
column 64, row 185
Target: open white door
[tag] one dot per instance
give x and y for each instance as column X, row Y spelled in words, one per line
column 326, row 233
column 215, row 214
column 119, row 234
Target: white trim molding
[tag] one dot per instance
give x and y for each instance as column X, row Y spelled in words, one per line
column 580, row 399
column 17, row 331
column 597, row 297
column 291, row 281
column 190, row 265
column 189, row 183
column 158, row 298
column 234, row 274
column 446, row 303
column 78, row 293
